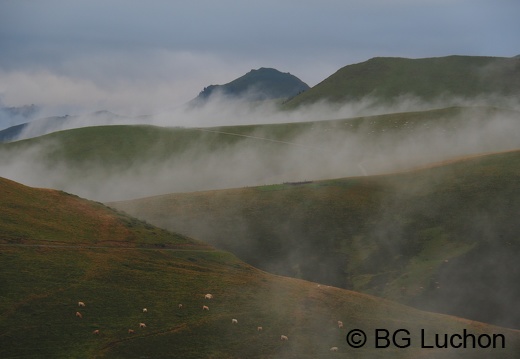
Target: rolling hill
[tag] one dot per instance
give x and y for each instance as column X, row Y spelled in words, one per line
column 57, row 250
column 387, row 79
column 109, row 163
column 443, row 81
column 256, row 85
column 443, row 238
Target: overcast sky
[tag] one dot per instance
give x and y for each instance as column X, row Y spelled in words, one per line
column 141, row 56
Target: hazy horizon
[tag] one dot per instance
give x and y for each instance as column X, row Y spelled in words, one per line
column 135, row 58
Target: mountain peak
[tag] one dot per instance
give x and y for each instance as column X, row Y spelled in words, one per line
column 258, row 84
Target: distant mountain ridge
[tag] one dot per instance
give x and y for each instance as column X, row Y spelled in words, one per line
column 51, row 124
column 14, row 115
column 256, row 85
column 388, row 78
column 14, row 132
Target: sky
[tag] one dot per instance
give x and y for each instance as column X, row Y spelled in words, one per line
column 137, row 57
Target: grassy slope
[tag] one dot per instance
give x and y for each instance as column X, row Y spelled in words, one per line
column 41, row 286
column 399, row 236
column 50, row 221
column 118, row 147
column 427, row 79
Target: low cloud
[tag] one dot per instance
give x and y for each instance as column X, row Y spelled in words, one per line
column 224, row 158
column 121, row 82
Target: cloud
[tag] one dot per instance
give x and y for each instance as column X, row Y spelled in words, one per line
column 117, row 81
column 163, row 53
column 222, row 159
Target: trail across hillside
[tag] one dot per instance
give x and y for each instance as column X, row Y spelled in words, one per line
column 256, row 138
column 313, row 148
column 68, row 246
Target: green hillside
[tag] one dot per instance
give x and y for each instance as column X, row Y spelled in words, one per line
column 443, row 238
column 57, row 250
column 57, row 218
column 120, row 162
column 387, row 78
column 123, row 145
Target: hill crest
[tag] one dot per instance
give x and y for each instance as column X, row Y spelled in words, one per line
column 404, row 236
column 26, row 219
column 389, row 78
column 256, row 85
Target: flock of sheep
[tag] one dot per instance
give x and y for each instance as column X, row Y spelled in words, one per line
column 205, row 308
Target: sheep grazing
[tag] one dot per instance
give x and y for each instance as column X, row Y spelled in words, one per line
column 131, row 331
column 283, row 337
column 205, row 307
column 340, row 324
column 334, row 349
column 142, row 325
column 259, row 329
column 234, row 321
column 145, row 310
column 78, row 314
column 208, row 296
column 180, row 306
column 81, row 304
column 96, row 332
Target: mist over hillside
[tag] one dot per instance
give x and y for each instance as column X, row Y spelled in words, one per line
column 256, row 85
column 76, row 281
column 387, row 79
column 399, row 237
column 15, row 115
column 249, row 95
column 259, row 179
column 376, row 86
column 43, row 126
column 443, row 238
column 123, row 162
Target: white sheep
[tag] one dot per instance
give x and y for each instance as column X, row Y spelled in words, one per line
column 205, row 307
column 131, row 331
column 259, row 329
column 145, row 310
column 142, row 325
column 96, row 332
column 340, row 324
column 234, row 321
column 78, row 314
column 180, row 306
column 208, row 296
column 81, row 304
column 283, row 337
column 334, row 349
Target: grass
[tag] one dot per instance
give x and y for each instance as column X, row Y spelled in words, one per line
column 120, row 162
column 41, row 322
column 64, row 219
column 394, row 236
column 41, row 286
column 386, row 79
column 116, row 148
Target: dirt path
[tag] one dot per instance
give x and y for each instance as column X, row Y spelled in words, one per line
column 255, row 137
column 103, row 247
